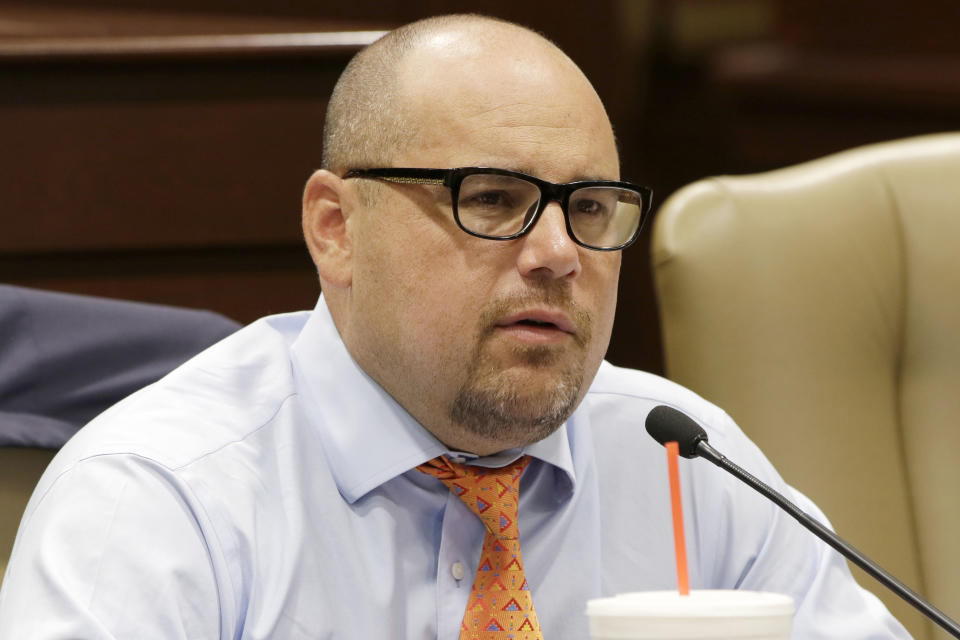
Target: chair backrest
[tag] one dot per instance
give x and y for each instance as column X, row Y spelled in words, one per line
column 820, row 305
column 64, row 359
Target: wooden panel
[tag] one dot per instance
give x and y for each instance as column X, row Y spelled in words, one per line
column 785, row 105
column 890, row 26
column 32, row 27
column 161, row 157
column 133, row 140
column 153, row 156
column 243, row 283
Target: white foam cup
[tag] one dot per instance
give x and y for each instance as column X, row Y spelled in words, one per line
column 702, row 615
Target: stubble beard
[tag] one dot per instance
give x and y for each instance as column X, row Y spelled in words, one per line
column 494, row 402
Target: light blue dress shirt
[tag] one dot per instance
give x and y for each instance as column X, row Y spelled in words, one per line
column 266, row 489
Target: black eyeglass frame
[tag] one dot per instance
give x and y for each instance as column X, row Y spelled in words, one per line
column 549, row 192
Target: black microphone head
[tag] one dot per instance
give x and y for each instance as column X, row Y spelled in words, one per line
column 666, row 424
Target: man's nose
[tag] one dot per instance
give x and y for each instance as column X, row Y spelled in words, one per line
column 548, row 250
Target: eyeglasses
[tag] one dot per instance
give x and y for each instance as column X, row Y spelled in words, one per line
column 497, row 204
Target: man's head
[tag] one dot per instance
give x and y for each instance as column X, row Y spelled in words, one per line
column 489, row 344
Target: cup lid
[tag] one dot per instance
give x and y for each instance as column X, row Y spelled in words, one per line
column 700, row 603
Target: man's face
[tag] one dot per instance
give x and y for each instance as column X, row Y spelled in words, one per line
column 489, row 344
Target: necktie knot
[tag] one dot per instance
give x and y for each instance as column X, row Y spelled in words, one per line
column 493, row 495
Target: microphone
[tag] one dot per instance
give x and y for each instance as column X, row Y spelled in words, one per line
column 666, row 424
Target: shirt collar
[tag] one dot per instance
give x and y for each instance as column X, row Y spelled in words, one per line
column 367, row 436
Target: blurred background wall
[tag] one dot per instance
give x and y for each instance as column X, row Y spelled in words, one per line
column 157, row 150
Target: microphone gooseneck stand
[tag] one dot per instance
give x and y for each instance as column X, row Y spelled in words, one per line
column 832, row 539
column 666, row 424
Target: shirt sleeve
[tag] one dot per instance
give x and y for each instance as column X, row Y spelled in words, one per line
column 111, row 548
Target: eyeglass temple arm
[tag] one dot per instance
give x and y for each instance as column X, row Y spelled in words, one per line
column 404, row 180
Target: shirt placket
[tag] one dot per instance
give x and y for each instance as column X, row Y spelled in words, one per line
column 461, row 540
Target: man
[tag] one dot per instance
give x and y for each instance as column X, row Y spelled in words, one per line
column 284, row 484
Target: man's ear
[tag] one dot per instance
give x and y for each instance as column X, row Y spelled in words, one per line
column 325, row 228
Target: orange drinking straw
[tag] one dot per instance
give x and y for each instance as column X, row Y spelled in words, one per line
column 683, row 580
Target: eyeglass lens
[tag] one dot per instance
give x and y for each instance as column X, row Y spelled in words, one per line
column 500, row 206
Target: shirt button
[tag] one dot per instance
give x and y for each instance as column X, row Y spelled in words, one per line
column 457, row 570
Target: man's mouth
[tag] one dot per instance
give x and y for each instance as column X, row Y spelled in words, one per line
column 535, row 323
column 537, row 327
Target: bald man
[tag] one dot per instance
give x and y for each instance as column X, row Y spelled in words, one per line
column 322, row 474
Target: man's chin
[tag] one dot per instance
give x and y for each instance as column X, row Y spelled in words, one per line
column 517, row 405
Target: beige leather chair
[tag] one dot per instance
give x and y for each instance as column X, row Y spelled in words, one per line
column 20, row 469
column 820, row 306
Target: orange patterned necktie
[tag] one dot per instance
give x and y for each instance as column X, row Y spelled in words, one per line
column 500, row 605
